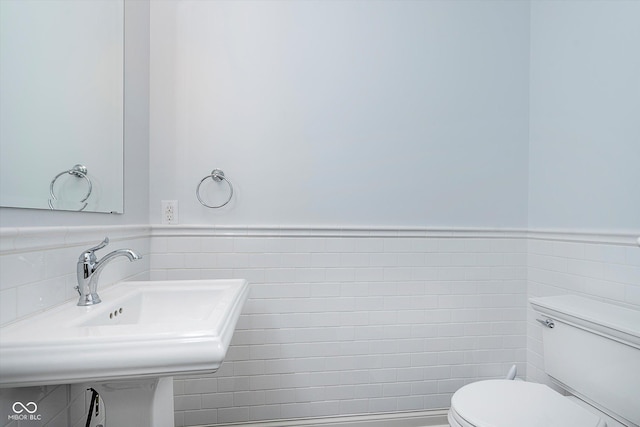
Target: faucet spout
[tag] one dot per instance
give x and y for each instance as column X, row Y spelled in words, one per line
column 111, row 255
column 89, row 269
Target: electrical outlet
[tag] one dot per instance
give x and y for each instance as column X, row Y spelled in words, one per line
column 169, row 211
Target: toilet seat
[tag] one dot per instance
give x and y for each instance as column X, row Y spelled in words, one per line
column 505, row 403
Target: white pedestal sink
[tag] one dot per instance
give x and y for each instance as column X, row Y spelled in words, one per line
column 129, row 345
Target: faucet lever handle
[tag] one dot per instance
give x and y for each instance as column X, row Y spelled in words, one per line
column 89, row 255
column 101, row 245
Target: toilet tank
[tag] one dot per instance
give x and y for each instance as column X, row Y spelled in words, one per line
column 593, row 352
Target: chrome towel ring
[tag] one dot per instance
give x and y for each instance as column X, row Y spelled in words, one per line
column 216, row 175
column 79, row 171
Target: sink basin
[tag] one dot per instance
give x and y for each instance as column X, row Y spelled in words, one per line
column 155, row 328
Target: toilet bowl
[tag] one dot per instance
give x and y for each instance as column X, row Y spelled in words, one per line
column 505, row 403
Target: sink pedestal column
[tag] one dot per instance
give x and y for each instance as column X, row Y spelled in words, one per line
column 142, row 402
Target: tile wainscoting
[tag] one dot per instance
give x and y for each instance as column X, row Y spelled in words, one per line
column 351, row 321
column 340, row 321
column 598, row 266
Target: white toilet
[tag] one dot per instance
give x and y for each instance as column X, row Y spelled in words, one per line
column 591, row 350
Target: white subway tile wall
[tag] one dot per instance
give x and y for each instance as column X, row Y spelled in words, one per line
column 353, row 324
column 57, row 406
column 605, row 271
column 339, row 321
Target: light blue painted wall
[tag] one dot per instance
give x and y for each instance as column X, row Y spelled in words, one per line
column 342, row 128
column 348, row 113
column 584, row 148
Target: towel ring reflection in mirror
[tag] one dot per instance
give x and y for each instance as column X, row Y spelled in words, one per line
column 79, row 171
column 216, row 175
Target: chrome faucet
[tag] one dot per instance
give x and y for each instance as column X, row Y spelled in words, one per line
column 89, row 269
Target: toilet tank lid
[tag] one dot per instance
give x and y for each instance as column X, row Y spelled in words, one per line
column 619, row 322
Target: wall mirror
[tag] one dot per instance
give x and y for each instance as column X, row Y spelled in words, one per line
column 62, row 104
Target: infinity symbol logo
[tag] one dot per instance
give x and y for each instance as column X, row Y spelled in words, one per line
column 24, row 407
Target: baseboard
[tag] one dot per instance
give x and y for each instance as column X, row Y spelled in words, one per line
column 436, row 418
